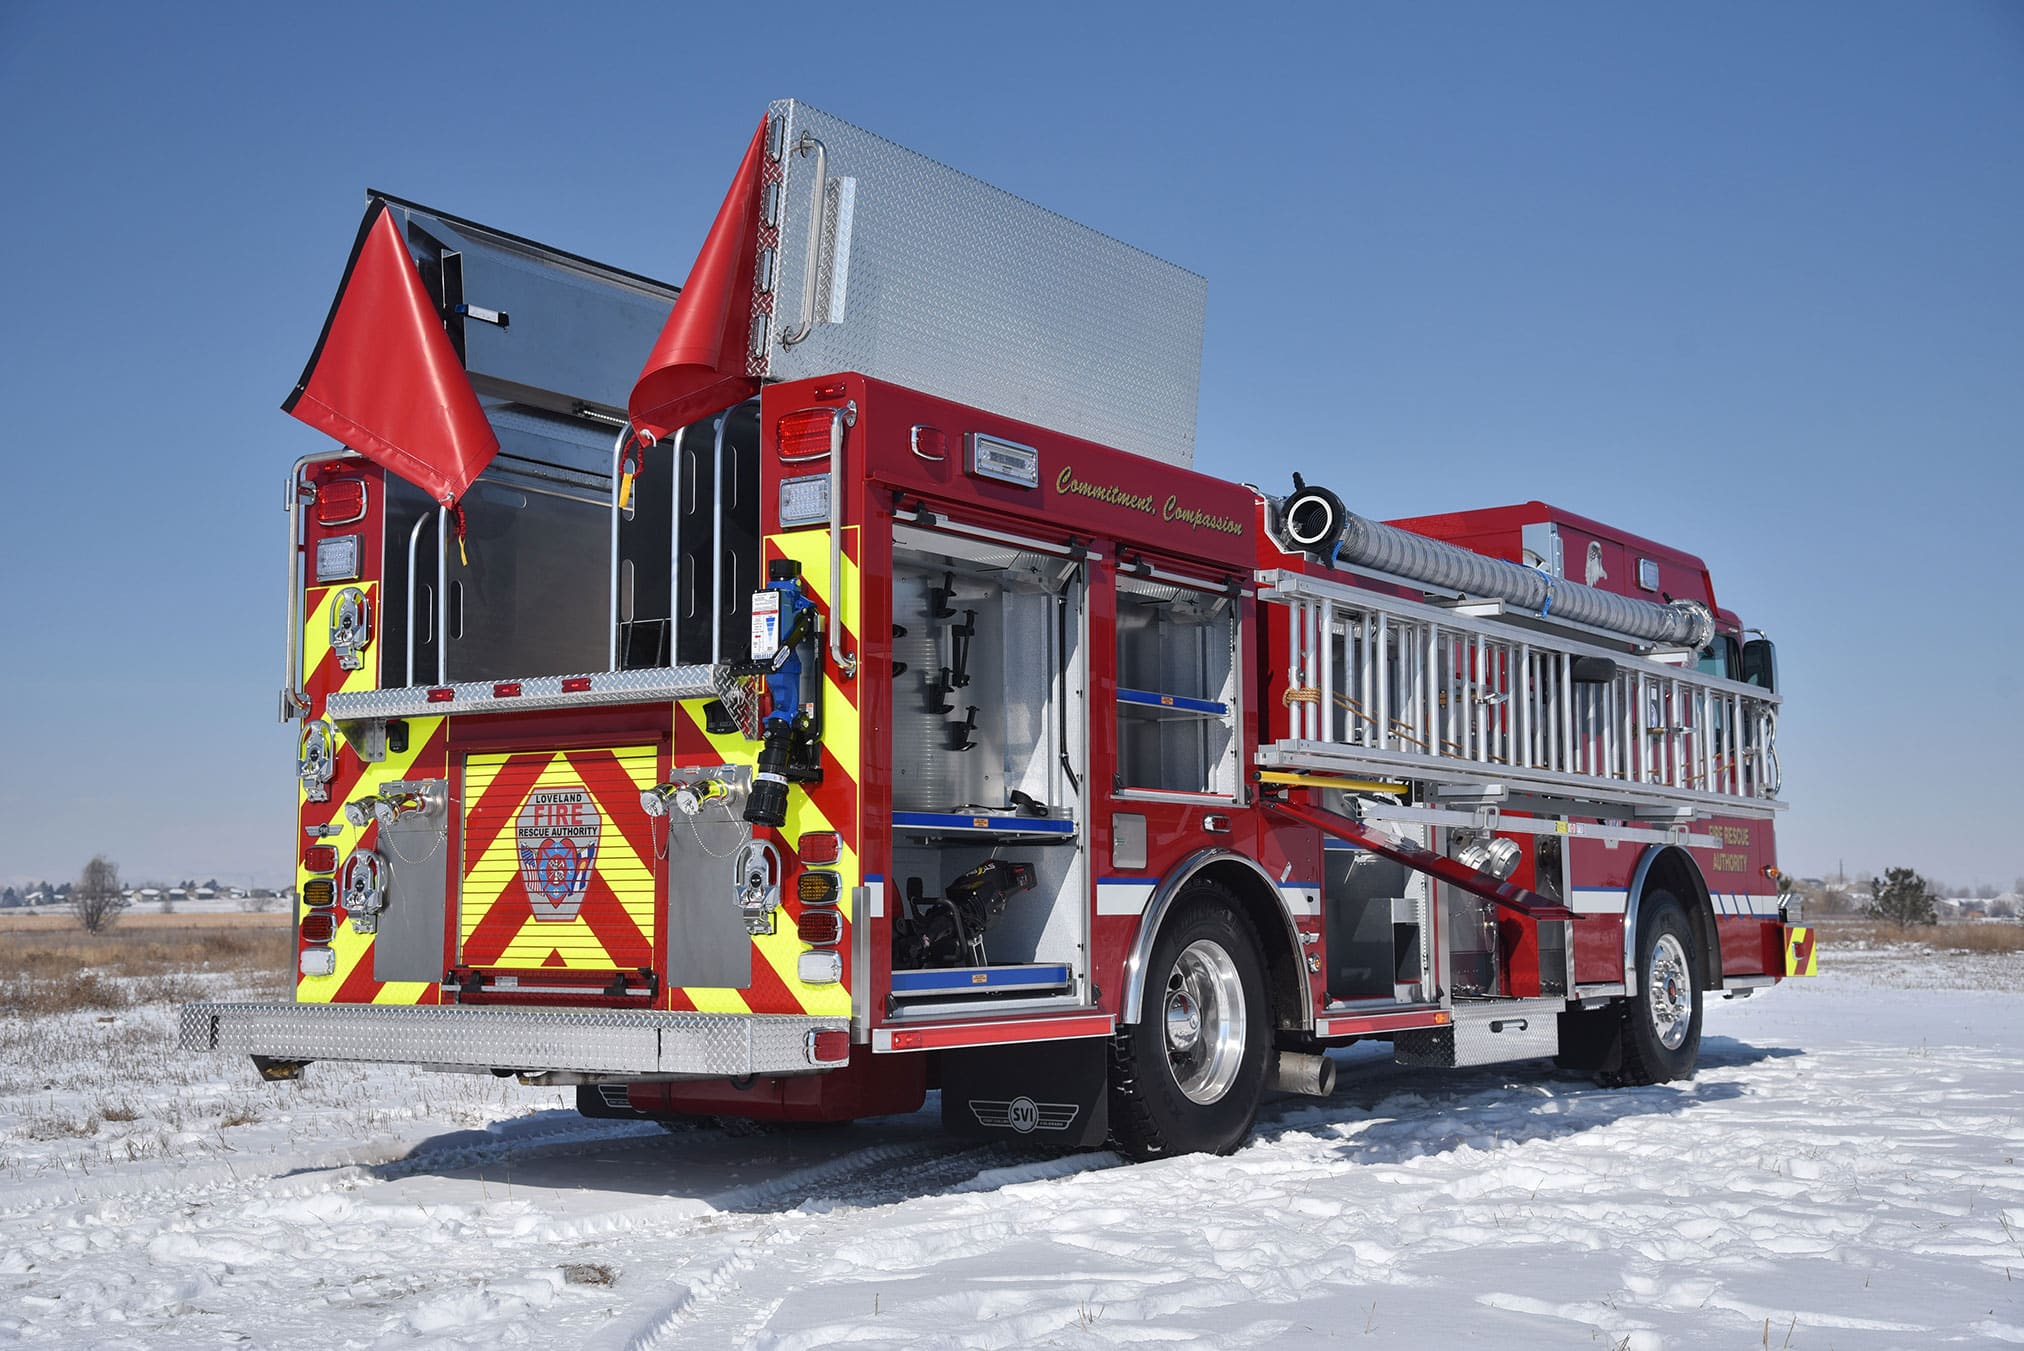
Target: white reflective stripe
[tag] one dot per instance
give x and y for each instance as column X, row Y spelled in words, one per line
column 1744, row 905
column 1599, row 901
column 1301, row 901
column 1123, row 898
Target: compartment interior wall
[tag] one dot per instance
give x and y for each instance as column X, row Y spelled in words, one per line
column 1175, row 641
column 1015, row 674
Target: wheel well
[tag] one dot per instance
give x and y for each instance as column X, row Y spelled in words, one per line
column 1674, row 869
column 1261, row 906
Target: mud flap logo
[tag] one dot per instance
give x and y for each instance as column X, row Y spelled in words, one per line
column 1024, row 1115
column 557, row 834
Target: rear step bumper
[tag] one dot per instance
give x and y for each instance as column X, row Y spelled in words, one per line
column 609, row 1041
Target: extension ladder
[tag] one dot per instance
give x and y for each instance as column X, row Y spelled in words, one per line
column 1384, row 687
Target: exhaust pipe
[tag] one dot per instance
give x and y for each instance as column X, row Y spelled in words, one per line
column 1313, row 1075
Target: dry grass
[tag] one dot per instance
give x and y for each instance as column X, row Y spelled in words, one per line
column 65, row 970
column 1993, row 936
column 60, row 920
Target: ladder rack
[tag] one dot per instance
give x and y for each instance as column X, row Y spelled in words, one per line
column 1380, row 686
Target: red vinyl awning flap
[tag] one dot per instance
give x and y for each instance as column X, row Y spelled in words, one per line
column 698, row 365
column 385, row 378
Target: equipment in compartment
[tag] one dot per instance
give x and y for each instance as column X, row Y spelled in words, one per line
column 943, row 931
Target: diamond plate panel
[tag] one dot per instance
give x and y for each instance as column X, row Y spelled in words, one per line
column 1519, row 1029
column 660, row 685
column 617, row 1041
column 963, row 290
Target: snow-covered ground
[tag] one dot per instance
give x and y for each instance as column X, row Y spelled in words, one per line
column 1844, row 1172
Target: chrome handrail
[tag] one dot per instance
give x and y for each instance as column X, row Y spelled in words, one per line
column 442, row 596
column 294, row 701
column 414, row 541
column 818, row 209
column 845, row 416
column 617, row 481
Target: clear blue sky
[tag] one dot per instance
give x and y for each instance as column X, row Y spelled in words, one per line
column 1745, row 278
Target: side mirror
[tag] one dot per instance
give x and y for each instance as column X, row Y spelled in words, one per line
column 1760, row 664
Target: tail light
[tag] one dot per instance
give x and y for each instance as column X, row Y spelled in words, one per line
column 820, row 928
column 319, row 891
column 819, row 848
column 805, row 435
column 319, row 961
column 828, row 1047
column 319, row 926
column 320, row 858
column 340, row 501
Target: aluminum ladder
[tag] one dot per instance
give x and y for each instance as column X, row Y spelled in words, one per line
column 1378, row 686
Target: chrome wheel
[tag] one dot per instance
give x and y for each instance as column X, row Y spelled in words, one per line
column 1204, row 1019
column 1669, row 992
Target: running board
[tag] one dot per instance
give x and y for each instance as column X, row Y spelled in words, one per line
column 1512, row 897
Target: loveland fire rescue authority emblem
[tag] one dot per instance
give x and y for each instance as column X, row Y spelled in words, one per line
column 557, row 835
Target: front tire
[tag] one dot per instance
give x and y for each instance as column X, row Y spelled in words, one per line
column 1188, row 1076
column 1662, row 1024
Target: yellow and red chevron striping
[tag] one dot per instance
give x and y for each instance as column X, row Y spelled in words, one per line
column 596, row 903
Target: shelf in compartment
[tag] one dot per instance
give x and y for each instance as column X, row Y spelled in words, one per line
column 983, row 824
column 1170, row 705
column 953, row 980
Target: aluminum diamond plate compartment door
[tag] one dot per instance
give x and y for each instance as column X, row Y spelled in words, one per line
column 909, row 271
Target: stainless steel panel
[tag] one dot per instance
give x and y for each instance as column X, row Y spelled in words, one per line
column 612, row 1041
column 575, row 330
column 1127, row 841
column 963, row 290
column 409, row 945
column 534, row 598
column 708, row 946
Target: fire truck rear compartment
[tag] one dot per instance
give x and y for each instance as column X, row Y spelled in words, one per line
column 556, row 583
column 987, row 737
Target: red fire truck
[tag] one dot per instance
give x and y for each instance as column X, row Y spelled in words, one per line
column 830, row 682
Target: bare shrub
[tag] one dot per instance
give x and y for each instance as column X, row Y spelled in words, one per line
column 96, row 900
